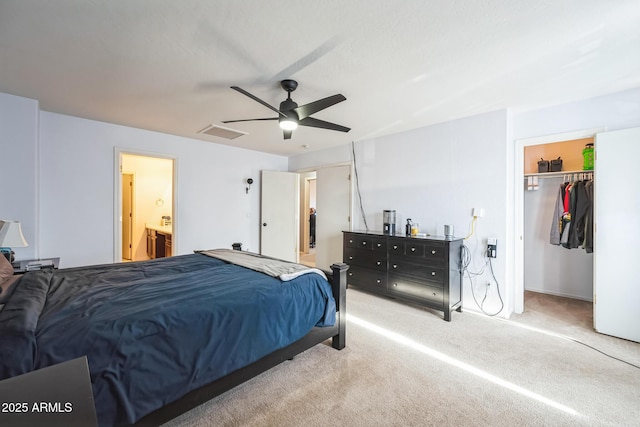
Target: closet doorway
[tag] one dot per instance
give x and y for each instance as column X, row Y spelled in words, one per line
column 547, row 272
column 551, row 267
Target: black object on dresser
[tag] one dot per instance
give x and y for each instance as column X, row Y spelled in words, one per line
column 422, row 270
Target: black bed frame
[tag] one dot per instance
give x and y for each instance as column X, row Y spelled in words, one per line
column 338, row 279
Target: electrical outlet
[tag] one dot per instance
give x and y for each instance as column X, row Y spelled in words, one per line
column 492, row 247
column 477, row 212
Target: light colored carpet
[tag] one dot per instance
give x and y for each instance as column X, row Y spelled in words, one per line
column 472, row 371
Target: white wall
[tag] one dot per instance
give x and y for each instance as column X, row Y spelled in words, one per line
column 619, row 110
column 77, row 189
column 436, row 175
column 18, row 160
column 64, row 184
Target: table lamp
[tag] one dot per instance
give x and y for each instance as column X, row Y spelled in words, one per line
column 11, row 237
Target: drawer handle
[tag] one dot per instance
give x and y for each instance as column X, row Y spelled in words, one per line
column 364, row 243
column 350, row 274
column 434, row 294
column 395, row 265
column 350, row 257
column 395, row 246
column 350, row 240
column 378, row 281
column 433, row 273
column 379, row 244
column 395, row 285
column 413, row 249
column 433, row 252
column 378, row 263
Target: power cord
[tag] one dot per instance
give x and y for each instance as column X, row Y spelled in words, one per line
column 473, row 228
column 600, row 351
column 355, row 170
column 466, row 262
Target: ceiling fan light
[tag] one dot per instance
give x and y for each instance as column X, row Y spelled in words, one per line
column 288, row 124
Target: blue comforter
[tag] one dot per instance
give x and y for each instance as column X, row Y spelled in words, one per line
column 155, row 330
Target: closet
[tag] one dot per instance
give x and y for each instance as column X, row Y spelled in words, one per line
column 551, row 268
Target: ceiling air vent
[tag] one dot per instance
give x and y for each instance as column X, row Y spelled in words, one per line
column 221, row 132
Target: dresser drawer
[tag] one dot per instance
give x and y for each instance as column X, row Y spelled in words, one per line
column 363, row 258
column 424, row 271
column 358, row 241
column 416, row 290
column 366, row 278
column 425, row 250
column 435, row 252
column 396, row 246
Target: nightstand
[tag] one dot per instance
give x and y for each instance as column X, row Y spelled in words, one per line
column 35, row 264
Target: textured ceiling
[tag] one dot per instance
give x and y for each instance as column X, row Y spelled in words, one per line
column 168, row 65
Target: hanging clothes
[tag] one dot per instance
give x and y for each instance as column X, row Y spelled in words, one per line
column 572, row 222
column 556, row 222
column 566, row 215
column 588, row 237
column 580, row 204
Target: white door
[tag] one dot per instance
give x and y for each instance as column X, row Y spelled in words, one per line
column 617, row 235
column 333, row 203
column 279, row 217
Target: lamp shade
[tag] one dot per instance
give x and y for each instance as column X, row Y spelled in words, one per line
column 11, row 235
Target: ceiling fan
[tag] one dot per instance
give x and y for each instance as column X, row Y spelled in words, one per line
column 290, row 115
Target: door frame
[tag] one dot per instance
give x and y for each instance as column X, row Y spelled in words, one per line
column 520, row 144
column 305, row 205
column 119, row 152
column 351, row 185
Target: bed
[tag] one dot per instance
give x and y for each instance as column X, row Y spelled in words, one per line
column 165, row 335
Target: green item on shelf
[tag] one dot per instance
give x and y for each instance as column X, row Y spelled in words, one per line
column 587, row 154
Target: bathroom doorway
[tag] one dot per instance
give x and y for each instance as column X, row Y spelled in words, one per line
column 146, row 209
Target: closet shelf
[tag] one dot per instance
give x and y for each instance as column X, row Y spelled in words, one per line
column 557, row 174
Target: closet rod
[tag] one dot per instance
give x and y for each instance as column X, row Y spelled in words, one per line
column 588, row 173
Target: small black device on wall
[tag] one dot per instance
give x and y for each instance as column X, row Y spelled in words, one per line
column 492, row 247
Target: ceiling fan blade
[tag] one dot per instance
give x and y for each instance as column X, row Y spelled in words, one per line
column 287, row 134
column 248, row 120
column 313, row 107
column 255, row 98
column 315, row 123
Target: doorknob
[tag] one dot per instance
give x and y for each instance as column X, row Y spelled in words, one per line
column 264, row 224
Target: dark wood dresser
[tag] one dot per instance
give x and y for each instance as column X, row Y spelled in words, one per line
column 422, row 270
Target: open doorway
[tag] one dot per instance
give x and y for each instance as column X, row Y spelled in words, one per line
column 558, row 263
column 550, row 275
column 308, row 212
column 145, row 207
column 326, row 208
column 333, row 204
